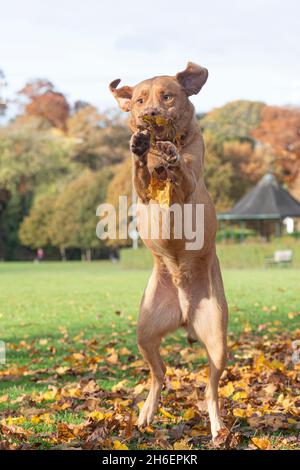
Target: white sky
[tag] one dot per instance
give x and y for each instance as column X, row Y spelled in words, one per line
column 251, row 47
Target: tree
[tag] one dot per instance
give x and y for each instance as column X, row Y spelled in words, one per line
column 100, row 139
column 30, row 158
column 11, row 217
column 234, row 120
column 46, row 103
column 35, row 230
column 218, row 173
column 121, row 185
column 74, row 220
column 279, row 129
column 31, row 161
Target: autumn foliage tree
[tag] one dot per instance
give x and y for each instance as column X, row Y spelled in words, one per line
column 44, row 102
column 280, row 129
column 100, row 139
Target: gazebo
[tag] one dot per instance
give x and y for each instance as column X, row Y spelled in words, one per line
column 266, row 205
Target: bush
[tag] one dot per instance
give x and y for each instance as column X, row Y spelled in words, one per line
column 236, row 234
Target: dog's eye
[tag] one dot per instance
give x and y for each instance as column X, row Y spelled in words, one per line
column 167, row 96
column 140, row 101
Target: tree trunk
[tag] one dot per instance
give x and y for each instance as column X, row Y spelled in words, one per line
column 63, row 254
column 88, row 254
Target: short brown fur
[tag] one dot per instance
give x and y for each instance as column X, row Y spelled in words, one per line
column 185, row 288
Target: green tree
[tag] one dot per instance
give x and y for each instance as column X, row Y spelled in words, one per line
column 30, row 158
column 121, row 185
column 11, row 217
column 234, row 120
column 35, row 230
column 74, row 220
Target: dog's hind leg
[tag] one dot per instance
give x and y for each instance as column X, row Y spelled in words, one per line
column 159, row 315
column 210, row 325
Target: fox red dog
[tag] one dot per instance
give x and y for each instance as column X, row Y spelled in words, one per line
column 185, row 288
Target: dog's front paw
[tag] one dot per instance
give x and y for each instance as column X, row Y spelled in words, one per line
column 140, row 144
column 168, row 152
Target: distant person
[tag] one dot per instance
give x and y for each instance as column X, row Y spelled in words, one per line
column 40, row 254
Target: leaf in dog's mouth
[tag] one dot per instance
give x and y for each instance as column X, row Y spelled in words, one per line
column 160, row 191
column 158, row 125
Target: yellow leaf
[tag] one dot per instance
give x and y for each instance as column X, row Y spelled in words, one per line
column 138, row 363
column 65, row 406
column 96, row 415
column 17, row 420
column 247, row 327
column 61, row 370
column 227, row 390
column 44, row 418
column 49, row 394
column 3, row 398
column 119, row 386
column 182, row 445
column 175, row 384
column 113, row 358
column 35, row 419
column 138, row 389
column 239, row 395
column 189, row 414
column 77, row 356
column 72, row 392
column 166, row 413
column 119, row 446
column 160, row 191
column 277, row 365
column 198, row 431
column 125, row 352
column 262, row 443
column 238, row 412
column 292, row 421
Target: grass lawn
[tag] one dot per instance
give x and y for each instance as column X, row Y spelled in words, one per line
column 74, row 323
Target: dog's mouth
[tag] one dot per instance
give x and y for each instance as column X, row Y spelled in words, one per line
column 160, row 128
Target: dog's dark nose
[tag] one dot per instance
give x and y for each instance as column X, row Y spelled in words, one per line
column 151, row 112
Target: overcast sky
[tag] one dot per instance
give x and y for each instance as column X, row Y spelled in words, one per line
column 251, row 47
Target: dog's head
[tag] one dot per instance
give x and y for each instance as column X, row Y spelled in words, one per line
column 162, row 99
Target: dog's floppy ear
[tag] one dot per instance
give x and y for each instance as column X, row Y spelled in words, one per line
column 123, row 95
column 192, row 78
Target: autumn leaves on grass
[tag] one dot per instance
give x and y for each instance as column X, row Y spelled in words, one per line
column 259, row 399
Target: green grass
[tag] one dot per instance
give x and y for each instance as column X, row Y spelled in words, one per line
column 51, row 300
column 234, row 256
column 37, row 300
column 50, row 310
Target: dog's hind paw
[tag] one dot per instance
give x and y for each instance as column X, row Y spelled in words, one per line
column 146, row 414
